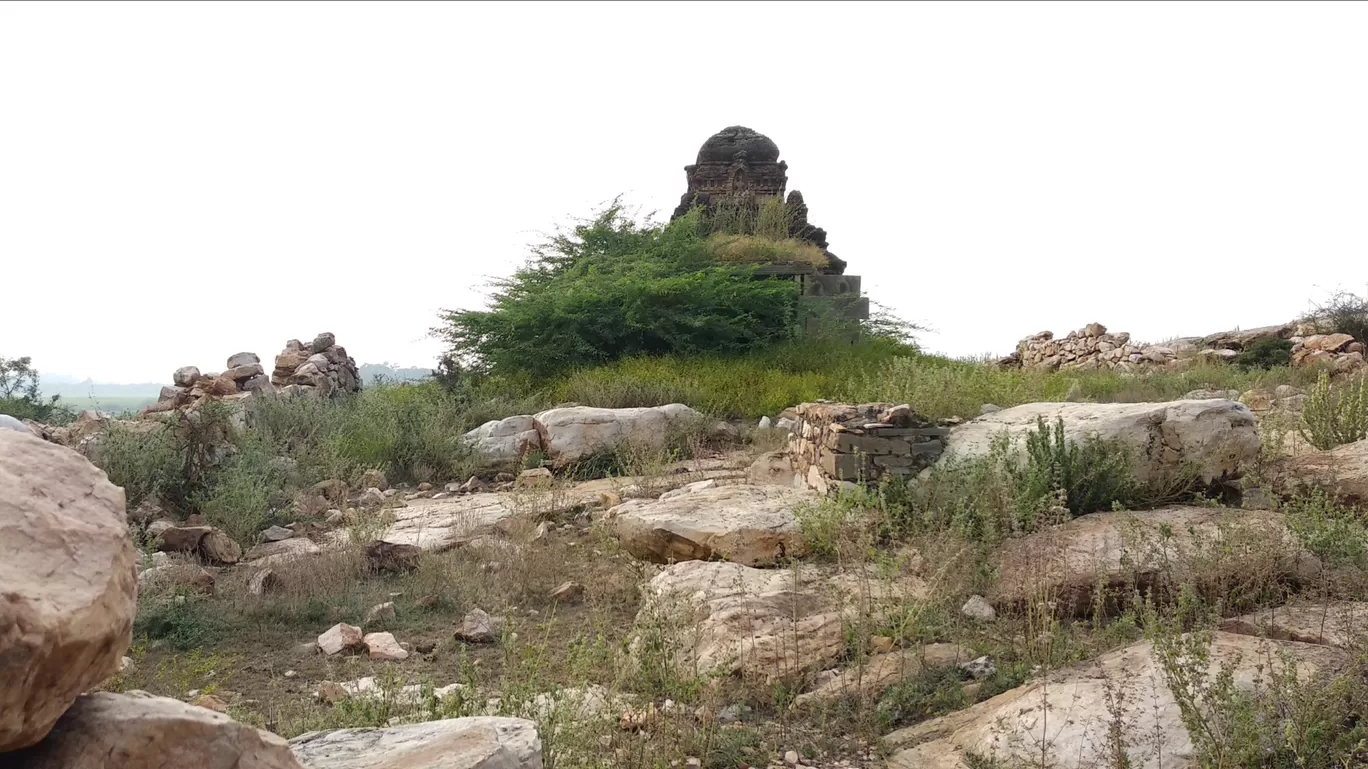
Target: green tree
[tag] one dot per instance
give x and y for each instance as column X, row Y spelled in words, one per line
column 612, row 288
column 19, row 393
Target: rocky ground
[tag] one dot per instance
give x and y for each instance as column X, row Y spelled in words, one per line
column 717, row 611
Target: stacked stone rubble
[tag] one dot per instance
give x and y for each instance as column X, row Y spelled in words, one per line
column 1090, row 347
column 1340, row 352
column 321, row 367
column 242, row 376
column 833, row 443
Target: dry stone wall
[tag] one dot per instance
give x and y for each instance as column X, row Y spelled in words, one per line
column 1093, row 347
column 834, row 443
column 1090, row 347
column 322, row 367
column 319, row 368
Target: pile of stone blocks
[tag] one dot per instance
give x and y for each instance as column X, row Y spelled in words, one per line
column 836, row 443
column 321, row 367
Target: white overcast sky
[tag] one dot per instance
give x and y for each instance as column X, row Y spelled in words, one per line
column 183, row 181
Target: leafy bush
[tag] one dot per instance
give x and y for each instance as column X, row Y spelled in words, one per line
column 147, row 464
column 1265, row 354
column 1085, row 477
column 613, row 289
column 1288, row 720
column 1333, row 417
column 246, row 491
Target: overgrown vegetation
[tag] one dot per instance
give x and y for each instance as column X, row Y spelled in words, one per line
column 242, row 474
column 1344, row 312
column 612, row 288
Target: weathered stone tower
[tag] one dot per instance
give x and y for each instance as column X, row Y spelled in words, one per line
column 740, row 167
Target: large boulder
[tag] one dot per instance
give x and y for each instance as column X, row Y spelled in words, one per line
column 482, row 742
column 504, row 442
column 135, row 729
column 8, row 422
column 771, row 625
column 68, row 581
column 1218, row 437
column 1341, row 471
column 573, row 433
column 750, row 525
column 1073, row 711
column 1123, row 551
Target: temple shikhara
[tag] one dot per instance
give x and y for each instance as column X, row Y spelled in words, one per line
column 740, row 168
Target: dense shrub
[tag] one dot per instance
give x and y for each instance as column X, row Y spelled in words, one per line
column 612, row 289
column 1334, row 416
column 1265, row 354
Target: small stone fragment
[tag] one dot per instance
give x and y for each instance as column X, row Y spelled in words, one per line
column 339, row 638
column 263, row 582
column 478, row 627
column 381, row 612
column 568, row 592
column 977, row 607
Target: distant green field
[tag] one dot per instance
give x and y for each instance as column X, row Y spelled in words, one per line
column 111, row 404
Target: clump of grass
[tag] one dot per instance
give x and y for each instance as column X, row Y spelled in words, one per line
column 753, row 249
column 939, row 387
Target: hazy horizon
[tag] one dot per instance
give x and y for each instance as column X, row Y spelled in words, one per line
column 183, row 181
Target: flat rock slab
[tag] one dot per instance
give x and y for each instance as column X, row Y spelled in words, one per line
column 1341, row 624
column 68, row 581
column 282, row 551
column 441, row 524
column 136, row 729
column 749, row 525
column 1218, row 437
column 768, row 624
column 1070, row 711
column 481, row 742
column 1122, row 551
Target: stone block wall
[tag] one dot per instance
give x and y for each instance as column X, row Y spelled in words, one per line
column 835, row 443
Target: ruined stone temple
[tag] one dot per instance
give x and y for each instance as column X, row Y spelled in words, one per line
column 740, row 167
